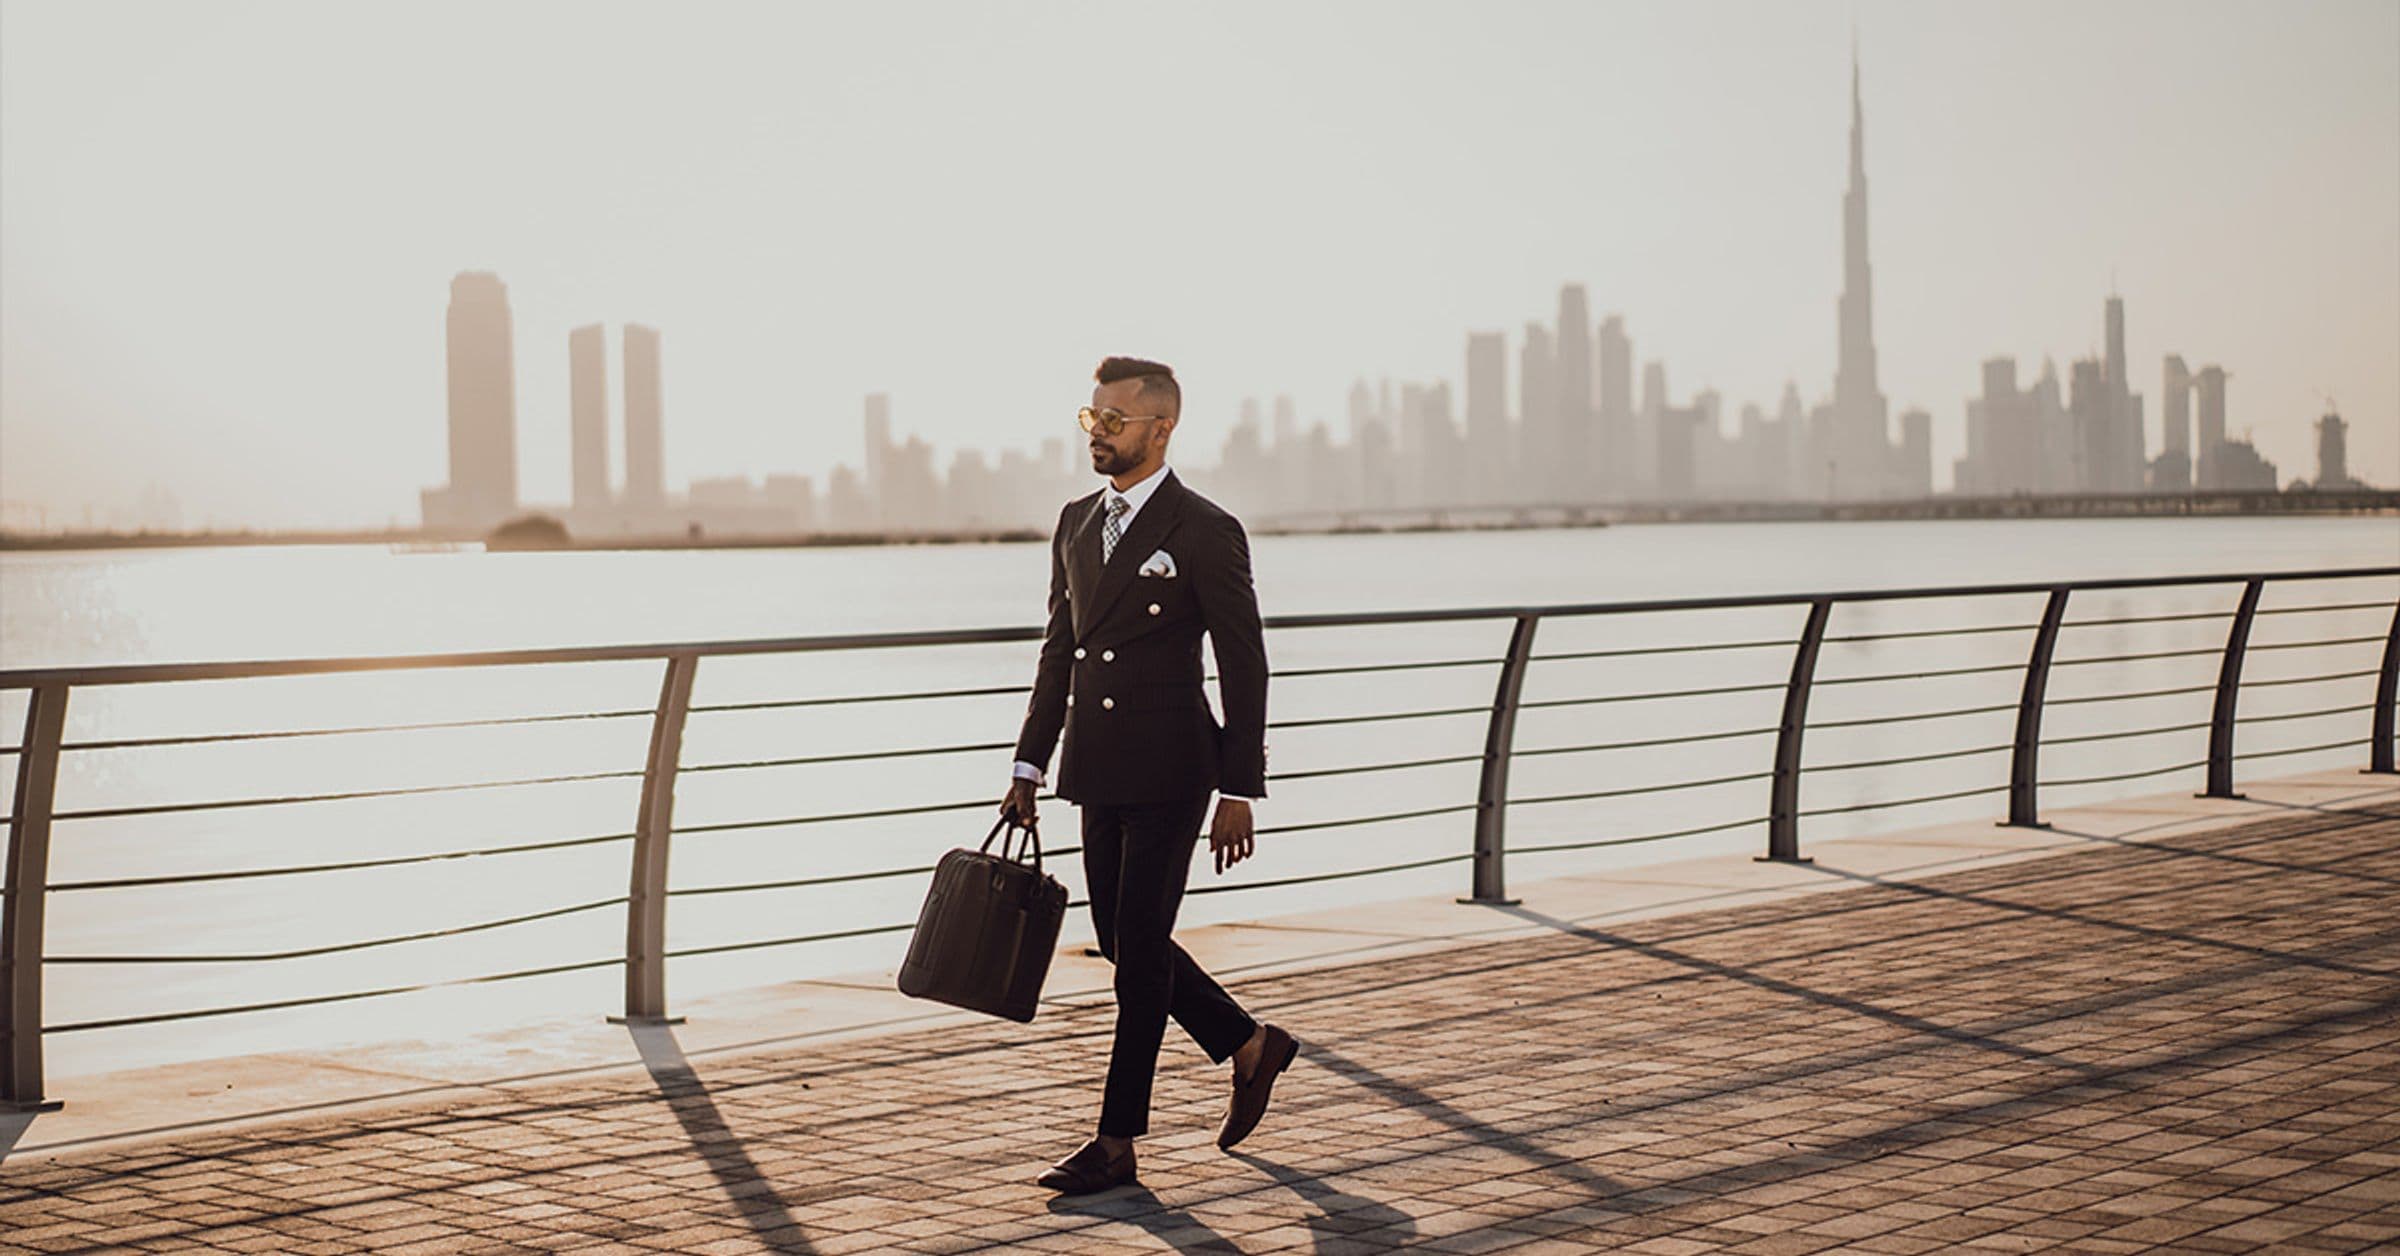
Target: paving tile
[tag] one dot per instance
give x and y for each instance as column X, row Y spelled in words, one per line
column 2185, row 1045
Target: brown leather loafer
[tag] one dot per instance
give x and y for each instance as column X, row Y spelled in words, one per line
column 1090, row 1169
column 1249, row 1100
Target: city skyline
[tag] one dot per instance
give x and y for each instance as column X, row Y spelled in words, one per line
column 2244, row 202
column 1573, row 438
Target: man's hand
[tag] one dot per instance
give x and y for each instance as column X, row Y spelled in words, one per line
column 1017, row 803
column 1229, row 833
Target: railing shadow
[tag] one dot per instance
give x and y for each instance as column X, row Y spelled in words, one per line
column 1483, row 1132
column 12, row 1131
column 1137, row 1205
column 1344, row 1215
column 752, row 1193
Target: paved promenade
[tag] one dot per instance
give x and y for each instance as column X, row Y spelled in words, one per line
column 2187, row 1043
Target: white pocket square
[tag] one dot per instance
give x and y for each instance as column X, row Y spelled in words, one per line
column 1160, row 563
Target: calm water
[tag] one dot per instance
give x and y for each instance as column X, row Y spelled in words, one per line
column 179, row 605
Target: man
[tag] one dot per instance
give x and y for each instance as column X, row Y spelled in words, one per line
column 1138, row 571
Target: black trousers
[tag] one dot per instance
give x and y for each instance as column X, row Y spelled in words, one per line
column 1135, row 861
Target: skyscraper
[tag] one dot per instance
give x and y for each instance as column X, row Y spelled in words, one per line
column 483, row 407
column 879, row 486
column 2089, row 402
column 1569, row 451
column 1860, row 445
column 2126, row 450
column 2210, row 411
column 645, row 438
column 587, row 408
column 2333, row 456
column 1490, row 451
column 1613, row 432
column 2172, row 473
column 1537, row 405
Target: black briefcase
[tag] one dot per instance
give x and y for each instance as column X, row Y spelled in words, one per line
column 987, row 929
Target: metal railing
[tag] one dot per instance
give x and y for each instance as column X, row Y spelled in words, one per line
column 32, row 818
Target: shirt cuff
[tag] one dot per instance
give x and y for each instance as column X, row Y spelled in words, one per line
column 1024, row 771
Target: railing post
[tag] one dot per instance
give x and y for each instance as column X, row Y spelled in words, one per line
column 1783, row 810
column 21, row 907
column 2229, row 687
column 1491, row 800
column 646, row 897
column 2387, row 694
column 2023, row 805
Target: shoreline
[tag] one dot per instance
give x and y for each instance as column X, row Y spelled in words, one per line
column 1503, row 518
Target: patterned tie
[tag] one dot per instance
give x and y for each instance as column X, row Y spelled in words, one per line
column 1114, row 529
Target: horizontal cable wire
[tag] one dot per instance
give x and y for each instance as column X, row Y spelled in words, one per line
column 1925, row 675
column 1640, row 789
column 2128, row 697
column 777, row 704
column 848, row 757
column 1870, row 720
column 2338, row 606
column 1358, row 768
column 1650, row 695
column 240, row 874
column 1342, row 875
column 2309, row 680
column 1632, row 651
column 2310, row 645
column 2123, row 733
column 1927, row 632
column 1907, row 802
column 2303, row 715
column 1909, row 758
column 2126, row 776
column 2330, row 745
column 1385, row 818
column 157, row 1018
column 339, row 948
column 132, row 743
column 1428, row 665
column 28, row 678
column 1644, row 744
column 2147, row 619
column 2135, row 658
column 803, row 882
column 1629, row 841
column 226, row 803
column 837, row 816
column 1381, row 716
column 795, row 940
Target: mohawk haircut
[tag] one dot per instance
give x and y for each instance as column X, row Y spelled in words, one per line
column 1158, row 381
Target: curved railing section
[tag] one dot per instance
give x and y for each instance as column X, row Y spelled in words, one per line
column 33, row 821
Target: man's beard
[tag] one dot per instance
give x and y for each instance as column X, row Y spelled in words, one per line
column 1107, row 461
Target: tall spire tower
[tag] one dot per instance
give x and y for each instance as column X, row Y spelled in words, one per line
column 1861, row 447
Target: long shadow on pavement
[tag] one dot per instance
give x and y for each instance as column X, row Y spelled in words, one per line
column 687, row 1097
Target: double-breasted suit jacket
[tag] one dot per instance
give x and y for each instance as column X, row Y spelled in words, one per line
column 1120, row 670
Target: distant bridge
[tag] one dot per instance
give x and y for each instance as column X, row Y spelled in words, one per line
column 2017, row 506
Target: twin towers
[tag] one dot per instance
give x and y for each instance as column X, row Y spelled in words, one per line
column 482, row 490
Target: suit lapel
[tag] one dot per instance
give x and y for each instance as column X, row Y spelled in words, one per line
column 1158, row 517
column 1083, row 560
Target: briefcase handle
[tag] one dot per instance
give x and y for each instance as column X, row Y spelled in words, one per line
column 1033, row 841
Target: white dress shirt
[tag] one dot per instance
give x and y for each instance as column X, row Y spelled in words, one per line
column 1134, row 499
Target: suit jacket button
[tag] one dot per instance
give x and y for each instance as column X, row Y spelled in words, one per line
column 1154, row 608
column 1078, row 651
column 1070, row 699
column 1108, row 656
column 1108, row 704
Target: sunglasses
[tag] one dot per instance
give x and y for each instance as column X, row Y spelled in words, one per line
column 1108, row 421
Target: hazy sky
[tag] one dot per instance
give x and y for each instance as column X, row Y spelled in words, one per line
column 227, row 230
